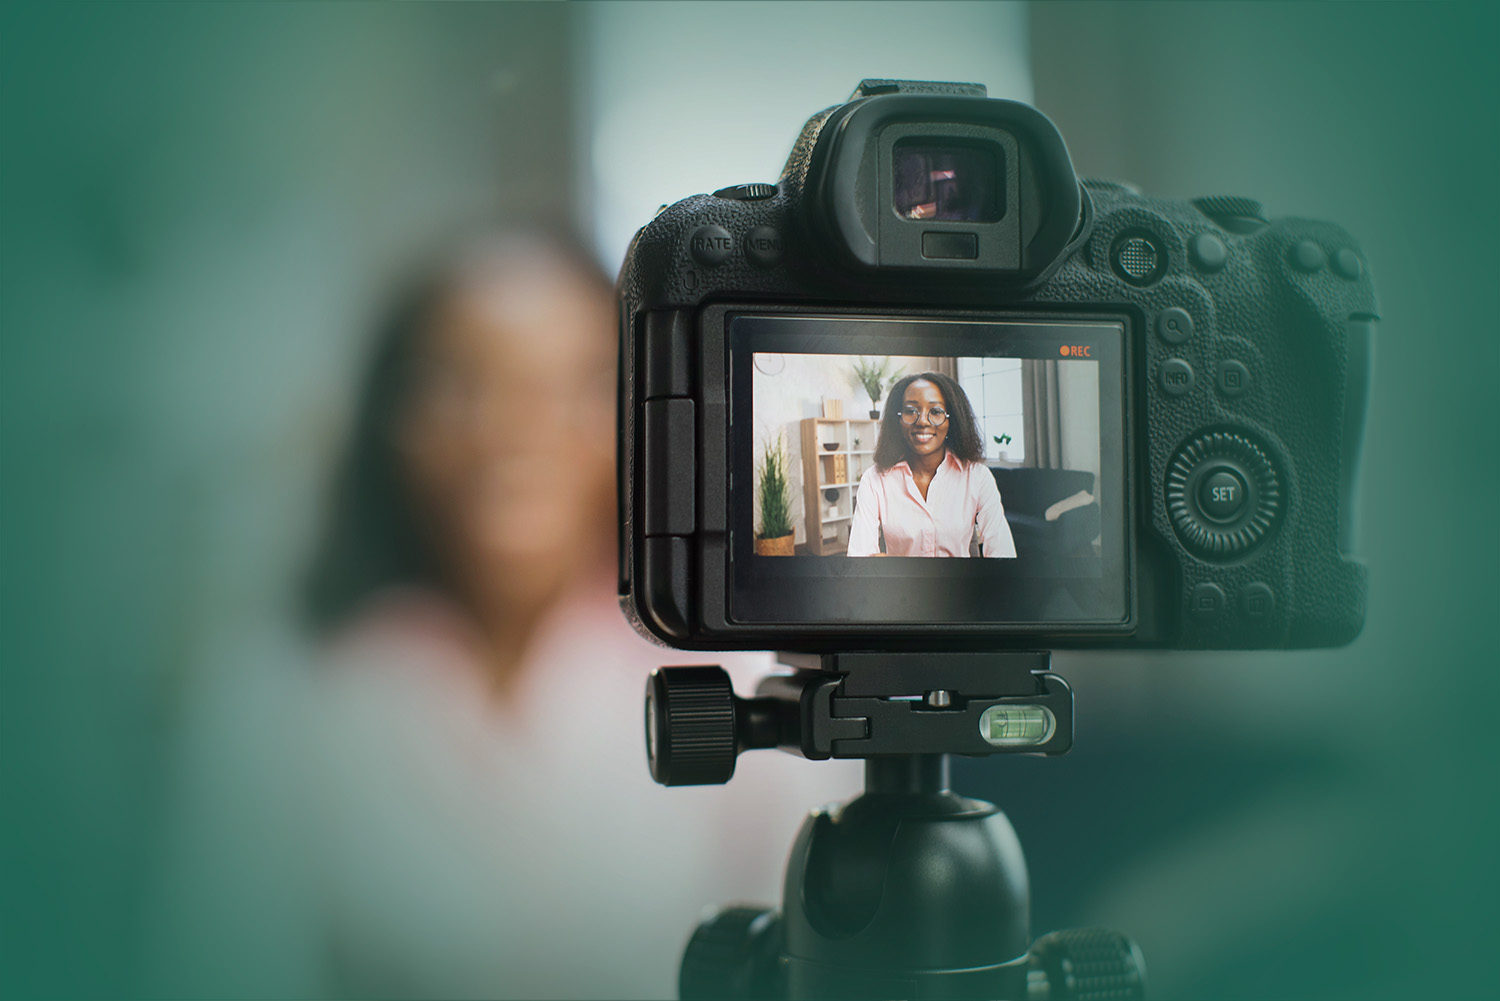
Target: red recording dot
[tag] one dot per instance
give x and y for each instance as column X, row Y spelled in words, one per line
column 1065, row 349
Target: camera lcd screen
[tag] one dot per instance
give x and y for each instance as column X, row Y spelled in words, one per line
column 947, row 183
column 922, row 470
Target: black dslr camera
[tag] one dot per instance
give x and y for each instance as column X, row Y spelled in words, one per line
column 1170, row 396
column 1108, row 420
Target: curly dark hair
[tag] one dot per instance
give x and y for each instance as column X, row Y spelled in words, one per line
column 964, row 439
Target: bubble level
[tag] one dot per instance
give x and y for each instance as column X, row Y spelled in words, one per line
column 1017, row 726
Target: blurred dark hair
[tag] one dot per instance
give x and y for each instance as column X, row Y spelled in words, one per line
column 964, row 439
column 371, row 538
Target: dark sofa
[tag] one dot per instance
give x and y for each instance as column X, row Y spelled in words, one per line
column 1028, row 493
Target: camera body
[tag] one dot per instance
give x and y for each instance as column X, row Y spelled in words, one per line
column 1193, row 382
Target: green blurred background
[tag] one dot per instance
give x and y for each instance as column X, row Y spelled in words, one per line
column 201, row 204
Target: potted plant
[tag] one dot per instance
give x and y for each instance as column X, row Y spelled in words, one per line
column 775, row 536
column 875, row 375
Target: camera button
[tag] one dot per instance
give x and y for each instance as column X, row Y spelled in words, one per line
column 1208, row 252
column 1206, row 600
column 711, row 245
column 1174, row 325
column 1221, row 495
column 763, row 246
column 1176, row 377
column 1137, row 258
column 1234, row 378
column 1308, row 256
column 1346, row 263
column 1257, row 601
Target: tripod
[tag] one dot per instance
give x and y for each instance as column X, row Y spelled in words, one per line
column 909, row 890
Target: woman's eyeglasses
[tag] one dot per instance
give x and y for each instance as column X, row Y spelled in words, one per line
column 936, row 416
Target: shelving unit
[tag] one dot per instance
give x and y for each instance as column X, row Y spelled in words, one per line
column 833, row 472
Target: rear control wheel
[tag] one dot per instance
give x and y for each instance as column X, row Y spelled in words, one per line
column 1223, row 494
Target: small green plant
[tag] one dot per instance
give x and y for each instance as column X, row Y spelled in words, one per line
column 775, row 491
column 875, row 375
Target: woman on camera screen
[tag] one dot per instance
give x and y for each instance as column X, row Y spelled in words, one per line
column 929, row 492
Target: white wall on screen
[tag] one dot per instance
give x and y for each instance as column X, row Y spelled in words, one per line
column 796, row 390
column 993, row 386
column 1078, row 400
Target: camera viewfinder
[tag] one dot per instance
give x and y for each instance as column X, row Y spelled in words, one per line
column 947, row 183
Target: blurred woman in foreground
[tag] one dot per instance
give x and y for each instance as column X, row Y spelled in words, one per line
column 478, row 484
column 491, row 827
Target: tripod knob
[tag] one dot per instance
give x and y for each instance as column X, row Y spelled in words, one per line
column 690, row 728
column 1086, row 964
column 734, row 956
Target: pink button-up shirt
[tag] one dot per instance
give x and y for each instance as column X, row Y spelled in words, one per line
column 962, row 499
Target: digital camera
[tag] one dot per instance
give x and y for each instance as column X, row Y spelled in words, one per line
column 1061, row 413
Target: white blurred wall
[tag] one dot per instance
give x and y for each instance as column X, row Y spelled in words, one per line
column 686, row 98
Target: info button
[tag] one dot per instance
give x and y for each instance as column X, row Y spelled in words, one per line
column 1176, row 377
column 1221, row 495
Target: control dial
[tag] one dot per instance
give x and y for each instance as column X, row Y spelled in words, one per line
column 1223, row 494
column 1234, row 213
column 747, row 192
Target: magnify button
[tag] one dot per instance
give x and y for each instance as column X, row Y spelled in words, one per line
column 1174, row 325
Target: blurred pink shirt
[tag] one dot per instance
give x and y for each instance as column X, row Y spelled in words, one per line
column 961, row 499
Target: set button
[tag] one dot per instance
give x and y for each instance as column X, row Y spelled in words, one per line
column 1221, row 495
